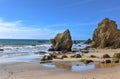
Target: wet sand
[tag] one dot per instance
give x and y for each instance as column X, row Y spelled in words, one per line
column 32, row 70
column 36, row 71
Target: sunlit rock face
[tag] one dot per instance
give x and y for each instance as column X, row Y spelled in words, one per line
column 62, row 41
column 106, row 35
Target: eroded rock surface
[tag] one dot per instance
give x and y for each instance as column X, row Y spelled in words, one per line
column 62, row 41
column 106, row 35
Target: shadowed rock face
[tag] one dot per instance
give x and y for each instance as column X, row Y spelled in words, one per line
column 62, row 41
column 106, row 35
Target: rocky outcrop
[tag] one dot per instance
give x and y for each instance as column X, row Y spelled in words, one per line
column 89, row 41
column 62, row 41
column 106, row 35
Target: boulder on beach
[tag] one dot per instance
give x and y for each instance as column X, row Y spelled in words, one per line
column 46, row 58
column 116, row 55
column 106, row 56
column 106, row 61
column 106, row 35
column 76, row 56
column 115, row 60
column 86, row 61
column 62, row 41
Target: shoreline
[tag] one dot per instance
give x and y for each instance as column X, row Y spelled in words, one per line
column 35, row 70
column 30, row 70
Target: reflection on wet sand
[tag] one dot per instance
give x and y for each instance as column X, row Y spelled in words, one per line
column 63, row 65
column 72, row 66
column 78, row 66
column 106, row 65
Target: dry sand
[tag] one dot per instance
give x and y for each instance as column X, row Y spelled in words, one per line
column 36, row 71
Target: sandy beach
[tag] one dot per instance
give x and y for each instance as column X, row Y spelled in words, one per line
column 59, row 39
column 33, row 70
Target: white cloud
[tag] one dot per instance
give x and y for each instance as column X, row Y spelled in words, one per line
column 9, row 24
column 16, row 30
column 70, row 25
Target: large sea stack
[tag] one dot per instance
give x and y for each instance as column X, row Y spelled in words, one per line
column 62, row 41
column 106, row 35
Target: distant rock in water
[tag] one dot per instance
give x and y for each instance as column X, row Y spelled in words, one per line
column 88, row 41
column 106, row 35
column 62, row 41
column 1, row 49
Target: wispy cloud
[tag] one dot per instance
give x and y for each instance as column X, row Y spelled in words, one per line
column 71, row 24
column 16, row 30
column 81, row 2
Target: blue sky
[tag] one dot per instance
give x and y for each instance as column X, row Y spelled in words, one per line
column 43, row 19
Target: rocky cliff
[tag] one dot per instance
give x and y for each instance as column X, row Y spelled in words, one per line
column 62, row 41
column 106, row 35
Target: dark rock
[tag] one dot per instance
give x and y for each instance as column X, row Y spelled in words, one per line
column 53, row 55
column 41, row 52
column 107, row 61
column 93, row 56
column 87, row 48
column 1, row 49
column 51, row 49
column 76, row 56
column 79, row 45
column 105, row 56
column 85, row 61
column 42, row 62
column 106, row 35
column 116, row 60
column 75, row 50
column 33, row 45
column 46, row 58
column 62, row 41
column 75, row 42
column 64, row 56
column 89, row 61
column 64, row 51
column 116, row 55
column 89, row 41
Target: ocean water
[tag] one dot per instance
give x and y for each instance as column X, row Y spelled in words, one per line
column 22, row 50
column 23, row 42
column 12, row 50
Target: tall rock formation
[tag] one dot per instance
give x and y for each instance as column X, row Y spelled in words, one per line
column 62, row 41
column 106, row 35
